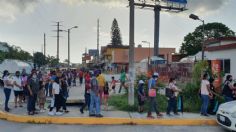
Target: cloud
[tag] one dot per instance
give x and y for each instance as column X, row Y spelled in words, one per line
column 206, row 7
column 10, row 8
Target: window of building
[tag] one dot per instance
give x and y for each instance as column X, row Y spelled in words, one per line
column 226, row 66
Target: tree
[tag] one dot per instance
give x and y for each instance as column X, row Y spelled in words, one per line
column 115, row 34
column 52, row 61
column 193, row 41
column 39, row 59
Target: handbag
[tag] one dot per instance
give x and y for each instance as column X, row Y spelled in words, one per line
column 152, row 93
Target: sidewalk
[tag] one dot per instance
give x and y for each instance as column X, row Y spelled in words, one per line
column 111, row 117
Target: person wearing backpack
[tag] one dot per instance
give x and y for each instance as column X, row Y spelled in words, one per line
column 152, row 87
column 94, row 98
column 228, row 89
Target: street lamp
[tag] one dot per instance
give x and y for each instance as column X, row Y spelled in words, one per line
column 68, row 31
column 195, row 17
column 148, row 51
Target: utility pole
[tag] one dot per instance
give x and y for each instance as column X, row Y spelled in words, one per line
column 131, row 54
column 58, row 36
column 68, row 47
column 44, row 51
column 58, row 30
column 98, row 33
column 157, row 6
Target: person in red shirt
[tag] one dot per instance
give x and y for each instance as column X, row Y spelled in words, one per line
column 87, row 92
column 81, row 75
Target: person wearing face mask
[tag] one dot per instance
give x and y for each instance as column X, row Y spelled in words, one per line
column 228, row 88
column 7, row 88
column 172, row 98
column 18, row 89
column 33, row 87
column 141, row 96
column 152, row 87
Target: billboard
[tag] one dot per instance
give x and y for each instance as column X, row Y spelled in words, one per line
column 93, row 52
column 216, row 70
column 178, row 1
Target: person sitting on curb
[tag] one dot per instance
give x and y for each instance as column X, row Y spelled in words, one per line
column 95, row 100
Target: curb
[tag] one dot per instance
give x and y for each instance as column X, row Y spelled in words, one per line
column 105, row 120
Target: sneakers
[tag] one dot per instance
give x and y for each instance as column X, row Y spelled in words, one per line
column 42, row 111
column 81, row 111
column 92, row 115
column 59, row 113
column 99, row 115
column 51, row 113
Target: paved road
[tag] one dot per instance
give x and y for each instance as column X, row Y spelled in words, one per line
column 18, row 127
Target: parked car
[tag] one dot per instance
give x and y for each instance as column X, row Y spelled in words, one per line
column 226, row 115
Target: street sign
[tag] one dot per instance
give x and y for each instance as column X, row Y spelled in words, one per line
column 93, row 52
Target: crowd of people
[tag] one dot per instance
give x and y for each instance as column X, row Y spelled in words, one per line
column 35, row 88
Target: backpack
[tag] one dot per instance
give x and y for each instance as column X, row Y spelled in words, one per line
column 1, row 83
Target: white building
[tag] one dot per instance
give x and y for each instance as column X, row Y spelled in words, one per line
column 223, row 49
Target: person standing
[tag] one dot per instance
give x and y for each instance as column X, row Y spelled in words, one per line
column 95, row 100
column 123, row 78
column 141, row 96
column 7, row 88
column 18, row 89
column 41, row 96
column 205, row 93
column 65, row 94
column 81, row 74
column 152, row 87
column 228, row 89
column 56, row 94
column 86, row 92
column 113, row 84
column 24, row 79
column 106, row 95
column 101, row 84
column 172, row 98
column 33, row 87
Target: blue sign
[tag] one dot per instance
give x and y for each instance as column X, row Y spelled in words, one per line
column 178, row 1
column 93, row 52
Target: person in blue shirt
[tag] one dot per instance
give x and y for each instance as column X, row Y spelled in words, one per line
column 141, row 96
column 152, row 86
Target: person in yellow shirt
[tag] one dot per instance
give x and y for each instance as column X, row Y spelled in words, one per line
column 101, row 84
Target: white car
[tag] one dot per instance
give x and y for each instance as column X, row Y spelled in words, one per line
column 226, row 115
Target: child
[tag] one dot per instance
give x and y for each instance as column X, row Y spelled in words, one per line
column 141, row 96
column 113, row 84
column 106, row 95
column 42, row 97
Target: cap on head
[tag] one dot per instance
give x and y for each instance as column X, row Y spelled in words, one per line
column 141, row 82
column 155, row 74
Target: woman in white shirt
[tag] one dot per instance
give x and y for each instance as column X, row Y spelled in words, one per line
column 57, row 97
column 18, row 89
column 205, row 93
column 7, row 88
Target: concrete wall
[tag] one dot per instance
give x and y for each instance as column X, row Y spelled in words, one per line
column 225, row 54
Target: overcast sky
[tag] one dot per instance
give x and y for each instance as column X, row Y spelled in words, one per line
column 23, row 22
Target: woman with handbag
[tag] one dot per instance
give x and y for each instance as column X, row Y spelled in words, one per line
column 152, row 96
column 141, row 96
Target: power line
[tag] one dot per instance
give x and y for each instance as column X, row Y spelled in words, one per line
column 58, row 30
